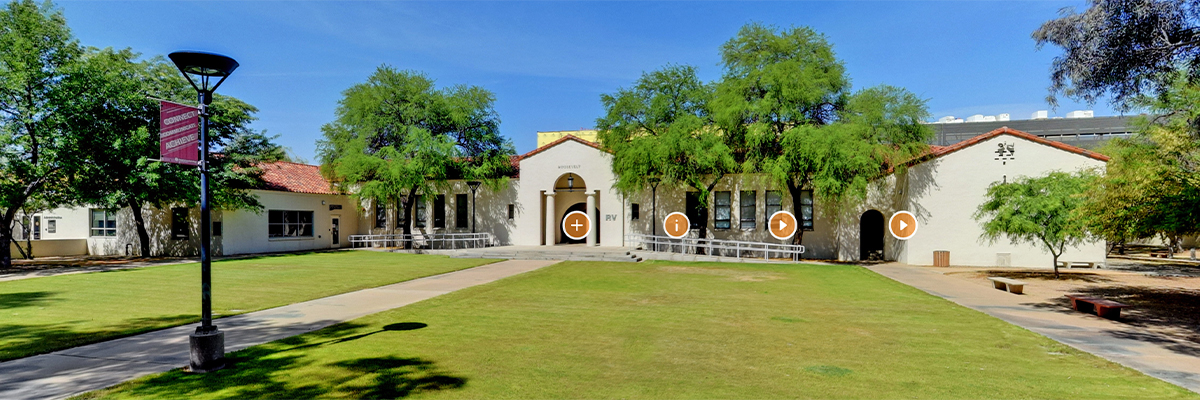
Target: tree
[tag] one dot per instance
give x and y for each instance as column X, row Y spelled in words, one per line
column 1039, row 211
column 397, row 136
column 38, row 49
column 786, row 100
column 1122, row 48
column 662, row 128
column 114, row 125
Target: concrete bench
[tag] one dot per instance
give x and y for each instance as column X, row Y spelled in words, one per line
column 1011, row 285
column 1102, row 307
column 1072, row 264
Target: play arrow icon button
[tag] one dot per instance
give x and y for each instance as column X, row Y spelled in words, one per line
column 783, row 225
column 903, row 225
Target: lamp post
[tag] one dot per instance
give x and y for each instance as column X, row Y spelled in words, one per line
column 207, row 343
column 473, row 185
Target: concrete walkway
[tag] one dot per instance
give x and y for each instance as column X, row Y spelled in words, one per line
column 97, row 366
column 1153, row 354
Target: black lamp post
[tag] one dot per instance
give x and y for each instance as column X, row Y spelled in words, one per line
column 207, row 343
column 474, row 185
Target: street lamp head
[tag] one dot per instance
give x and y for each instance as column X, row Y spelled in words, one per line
column 205, row 66
column 474, row 185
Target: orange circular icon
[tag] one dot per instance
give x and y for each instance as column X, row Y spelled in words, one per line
column 676, row 225
column 903, row 225
column 782, row 225
column 577, row 225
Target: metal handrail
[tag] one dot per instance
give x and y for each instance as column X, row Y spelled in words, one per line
column 425, row 240
column 691, row 245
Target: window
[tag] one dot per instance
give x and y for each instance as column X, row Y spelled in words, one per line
column 724, row 210
column 216, row 228
column 282, row 223
column 697, row 215
column 774, row 204
column 51, row 226
column 104, row 223
column 439, row 211
column 806, row 210
column 460, row 211
column 420, row 217
column 635, row 211
column 746, row 214
column 179, row 224
column 380, row 215
column 512, row 211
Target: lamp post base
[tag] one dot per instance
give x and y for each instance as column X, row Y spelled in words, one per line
column 208, row 351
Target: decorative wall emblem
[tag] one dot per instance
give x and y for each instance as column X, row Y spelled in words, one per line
column 1004, row 152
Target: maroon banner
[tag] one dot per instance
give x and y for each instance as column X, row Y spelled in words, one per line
column 178, row 133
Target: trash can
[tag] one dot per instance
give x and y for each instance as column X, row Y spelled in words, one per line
column 941, row 258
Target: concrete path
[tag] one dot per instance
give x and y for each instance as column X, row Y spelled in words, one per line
column 96, row 366
column 1153, row 354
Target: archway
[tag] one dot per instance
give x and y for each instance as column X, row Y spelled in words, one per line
column 575, row 207
column 870, row 234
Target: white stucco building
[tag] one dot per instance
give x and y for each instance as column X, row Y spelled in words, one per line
column 942, row 189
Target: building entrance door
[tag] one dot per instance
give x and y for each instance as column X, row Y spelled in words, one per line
column 334, row 231
column 871, row 236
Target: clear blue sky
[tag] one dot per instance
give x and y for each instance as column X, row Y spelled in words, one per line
column 548, row 62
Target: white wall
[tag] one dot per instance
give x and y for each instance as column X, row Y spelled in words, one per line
column 540, row 172
column 491, row 211
column 246, row 231
column 945, row 192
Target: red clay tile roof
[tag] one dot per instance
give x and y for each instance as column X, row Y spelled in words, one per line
column 297, row 178
column 938, row 151
column 557, row 142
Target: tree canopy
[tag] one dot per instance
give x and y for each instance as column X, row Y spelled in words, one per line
column 1040, row 211
column 397, row 136
column 1122, row 48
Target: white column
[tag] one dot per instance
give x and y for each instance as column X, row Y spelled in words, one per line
column 591, row 212
column 551, row 227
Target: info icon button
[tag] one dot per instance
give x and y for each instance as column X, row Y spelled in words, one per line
column 903, row 225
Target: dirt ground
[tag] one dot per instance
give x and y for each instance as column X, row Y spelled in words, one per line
column 1165, row 295
column 44, row 263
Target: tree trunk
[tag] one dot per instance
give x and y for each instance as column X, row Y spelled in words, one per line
column 1055, row 265
column 6, row 237
column 795, row 191
column 140, row 222
column 704, row 224
column 408, row 211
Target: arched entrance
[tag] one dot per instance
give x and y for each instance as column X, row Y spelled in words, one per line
column 870, row 234
column 564, row 239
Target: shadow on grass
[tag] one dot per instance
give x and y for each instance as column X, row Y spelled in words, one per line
column 25, row 299
column 1172, row 313
column 286, row 369
column 24, row 340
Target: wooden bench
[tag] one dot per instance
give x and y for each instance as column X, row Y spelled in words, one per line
column 1072, row 264
column 1011, row 285
column 1102, row 307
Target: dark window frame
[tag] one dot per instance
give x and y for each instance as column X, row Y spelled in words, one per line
column 420, row 217
column 697, row 215
column 180, row 226
column 512, row 211
column 806, row 210
column 284, row 224
column 748, row 212
column 770, row 207
column 461, row 211
column 380, row 215
column 107, row 229
column 722, row 211
column 635, row 211
column 439, row 211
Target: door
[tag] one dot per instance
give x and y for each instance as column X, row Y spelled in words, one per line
column 37, row 227
column 335, row 231
column 871, row 236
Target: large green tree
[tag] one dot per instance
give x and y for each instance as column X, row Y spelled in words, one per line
column 38, row 49
column 113, row 123
column 662, row 128
column 397, row 136
column 1122, row 48
column 1039, row 211
column 786, row 101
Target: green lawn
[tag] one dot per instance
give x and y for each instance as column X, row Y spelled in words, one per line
column 668, row 330
column 40, row 315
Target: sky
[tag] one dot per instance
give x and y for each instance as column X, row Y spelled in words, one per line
column 548, row 62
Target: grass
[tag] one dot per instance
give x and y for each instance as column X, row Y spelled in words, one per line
column 667, row 330
column 40, row 315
